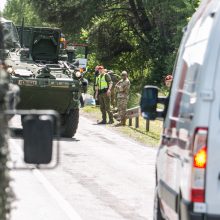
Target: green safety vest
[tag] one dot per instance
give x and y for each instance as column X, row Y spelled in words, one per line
column 101, row 82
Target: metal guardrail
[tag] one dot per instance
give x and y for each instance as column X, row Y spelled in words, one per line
column 134, row 113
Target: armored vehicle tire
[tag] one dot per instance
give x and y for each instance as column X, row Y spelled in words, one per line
column 70, row 123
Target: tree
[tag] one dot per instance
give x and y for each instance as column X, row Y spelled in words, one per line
column 16, row 10
column 71, row 15
column 141, row 36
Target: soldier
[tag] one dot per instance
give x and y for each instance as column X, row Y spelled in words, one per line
column 122, row 89
column 115, row 78
column 168, row 80
column 103, row 93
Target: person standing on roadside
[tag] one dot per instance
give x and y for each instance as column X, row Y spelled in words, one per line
column 115, row 78
column 168, row 83
column 168, row 80
column 103, row 93
column 122, row 89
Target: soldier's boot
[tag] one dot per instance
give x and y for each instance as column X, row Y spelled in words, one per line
column 110, row 115
column 103, row 122
column 111, row 120
column 122, row 122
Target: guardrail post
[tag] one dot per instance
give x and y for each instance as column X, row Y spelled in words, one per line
column 130, row 121
column 137, row 122
column 147, row 125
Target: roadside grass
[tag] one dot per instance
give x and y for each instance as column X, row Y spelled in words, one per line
column 140, row 134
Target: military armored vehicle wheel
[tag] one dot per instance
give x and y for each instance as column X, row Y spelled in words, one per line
column 69, row 123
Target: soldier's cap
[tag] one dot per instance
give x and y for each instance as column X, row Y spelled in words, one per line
column 124, row 73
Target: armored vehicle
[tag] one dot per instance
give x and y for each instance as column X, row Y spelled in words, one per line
column 44, row 81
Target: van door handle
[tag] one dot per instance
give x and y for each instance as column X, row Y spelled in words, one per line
column 166, row 138
column 187, row 116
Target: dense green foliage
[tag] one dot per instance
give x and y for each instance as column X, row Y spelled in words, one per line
column 141, row 36
column 16, row 10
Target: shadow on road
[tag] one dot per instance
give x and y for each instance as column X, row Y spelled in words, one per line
column 17, row 133
column 142, row 132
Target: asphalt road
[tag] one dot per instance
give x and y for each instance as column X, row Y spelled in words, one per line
column 102, row 176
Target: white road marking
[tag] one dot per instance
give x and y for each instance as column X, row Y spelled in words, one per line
column 62, row 203
column 66, row 207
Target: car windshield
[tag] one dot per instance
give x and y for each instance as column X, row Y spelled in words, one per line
column 10, row 34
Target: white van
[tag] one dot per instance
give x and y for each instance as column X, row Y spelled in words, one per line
column 188, row 160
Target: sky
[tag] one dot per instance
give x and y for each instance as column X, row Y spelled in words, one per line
column 2, row 4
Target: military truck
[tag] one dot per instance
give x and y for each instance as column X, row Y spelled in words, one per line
column 45, row 82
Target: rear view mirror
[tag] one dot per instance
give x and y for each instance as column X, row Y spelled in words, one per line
column 149, row 100
column 40, row 128
column 38, row 133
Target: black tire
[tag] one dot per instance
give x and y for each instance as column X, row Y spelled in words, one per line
column 70, row 123
column 157, row 211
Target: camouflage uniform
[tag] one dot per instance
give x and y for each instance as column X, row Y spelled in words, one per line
column 122, row 87
column 115, row 78
column 104, row 99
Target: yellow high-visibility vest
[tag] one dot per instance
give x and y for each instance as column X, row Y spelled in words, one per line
column 101, row 82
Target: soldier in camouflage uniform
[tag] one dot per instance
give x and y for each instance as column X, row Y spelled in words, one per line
column 122, row 89
column 103, row 93
column 115, row 78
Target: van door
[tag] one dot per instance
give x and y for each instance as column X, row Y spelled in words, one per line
column 212, row 196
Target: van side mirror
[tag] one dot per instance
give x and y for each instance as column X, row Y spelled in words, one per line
column 149, row 101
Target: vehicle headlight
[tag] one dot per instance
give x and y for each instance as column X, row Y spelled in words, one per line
column 78, row 74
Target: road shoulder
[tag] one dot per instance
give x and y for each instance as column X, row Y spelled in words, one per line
column 150, row 139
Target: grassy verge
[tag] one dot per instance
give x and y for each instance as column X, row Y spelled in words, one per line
column 150, row 138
